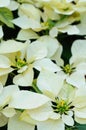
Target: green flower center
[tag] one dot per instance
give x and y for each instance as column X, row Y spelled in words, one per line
column 68, row 69
column 49, row 24
column 61, row 106
column 20, row 63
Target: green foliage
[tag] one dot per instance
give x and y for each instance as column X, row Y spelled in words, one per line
column 6, row 16
column 81, row 127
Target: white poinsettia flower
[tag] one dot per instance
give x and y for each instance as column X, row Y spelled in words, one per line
column 25, row 66
column 75, row 71
column 73, row 75
column 51, row 85
column 76, row 105
column 34, row 57
column 22, row 57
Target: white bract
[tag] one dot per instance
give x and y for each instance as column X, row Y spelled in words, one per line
column 36, row 56
column 5, row 96
column 5, row 68
column 4, row 3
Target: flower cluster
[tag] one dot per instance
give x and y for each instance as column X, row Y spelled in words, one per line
column 38, row 89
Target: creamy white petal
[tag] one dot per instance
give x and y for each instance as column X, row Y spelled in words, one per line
column 78, row 45
column 3, row 120
column 4, row 62
column 80, row 113
column 11, row 46
column 68, row 12
column 82, row 24
column 6, row 94
column 3, row 79
column 68, row 120
column 4, row 71
column 79, row 101
column 13, row 5
column 50, row 83
column 26, row 9
column 25, row 23
column 79, row 98
column 36, row 51
column 25, row 78
column 46, row 64
column 4, row 3
column 53, row 32
column 42, row 113
column 70, row 29
column 27, row 100
column 1, row 32
column 8, row 112
column 16, row 124
column 27, row 118
column 22, row 22
column 51, row 43
column 25, row 34
column 1, row 87
column 81, row 68
column 51, row 125
column 76, row 79
column 24, row 68
column 80, row 120
column 57, row 56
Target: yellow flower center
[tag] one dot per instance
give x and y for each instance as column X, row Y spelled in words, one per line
column 20, row 63
column 49, row 24
column 68, row 69
column 61, row 106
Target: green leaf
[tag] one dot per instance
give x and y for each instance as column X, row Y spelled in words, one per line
column 6, row 16
column 81, row 127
